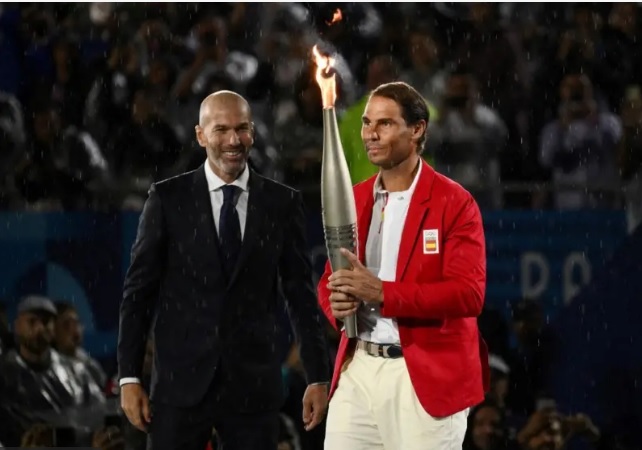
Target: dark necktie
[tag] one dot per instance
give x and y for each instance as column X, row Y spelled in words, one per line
column 229, row 229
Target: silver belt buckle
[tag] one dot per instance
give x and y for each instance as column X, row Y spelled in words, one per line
column 374, row 349
column 383, row 351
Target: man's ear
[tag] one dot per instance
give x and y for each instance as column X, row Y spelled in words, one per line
column 418, row 130
column 200, row 136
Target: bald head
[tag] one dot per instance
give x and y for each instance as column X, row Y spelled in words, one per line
column 226, row 132
column 220, row 100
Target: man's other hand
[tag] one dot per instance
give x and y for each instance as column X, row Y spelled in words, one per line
column 135, row 404
column 357, row 282
column 315, row 405
column 343, row 305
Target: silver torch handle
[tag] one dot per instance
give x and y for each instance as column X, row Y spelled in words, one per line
column 338, row 205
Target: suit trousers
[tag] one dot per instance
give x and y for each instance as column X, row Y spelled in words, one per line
column 192, row 428
column 375, row 407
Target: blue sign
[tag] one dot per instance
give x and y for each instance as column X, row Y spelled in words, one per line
column 83, row 257
column 547, row 255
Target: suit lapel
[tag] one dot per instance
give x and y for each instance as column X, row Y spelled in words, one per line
column 255, row 205
column 419, row 205
column 204, row 229
column 364, row 219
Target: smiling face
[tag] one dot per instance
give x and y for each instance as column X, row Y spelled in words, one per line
column 227, row 134
column 388, row 139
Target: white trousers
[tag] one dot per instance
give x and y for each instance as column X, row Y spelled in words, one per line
column 375, row 407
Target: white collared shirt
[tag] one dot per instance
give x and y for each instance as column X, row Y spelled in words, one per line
column 214, row 185
column 373, row 327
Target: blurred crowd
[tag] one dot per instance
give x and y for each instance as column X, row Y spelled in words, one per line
column 54, row 394
column 531, row 105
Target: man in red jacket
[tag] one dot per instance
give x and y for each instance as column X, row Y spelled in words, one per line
column 417, row 285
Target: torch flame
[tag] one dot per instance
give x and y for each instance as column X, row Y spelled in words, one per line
column 327, row 83
column 336, row 17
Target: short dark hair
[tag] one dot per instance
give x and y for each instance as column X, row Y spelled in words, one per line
column 413, row 106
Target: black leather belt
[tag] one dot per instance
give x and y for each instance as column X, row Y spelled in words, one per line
column 381, row 350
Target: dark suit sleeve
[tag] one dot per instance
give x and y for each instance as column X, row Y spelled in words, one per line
column 298, row 287
column 141, row 288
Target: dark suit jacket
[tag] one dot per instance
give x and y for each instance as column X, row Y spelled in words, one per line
column 205, row 323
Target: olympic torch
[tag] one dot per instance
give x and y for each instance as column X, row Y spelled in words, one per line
column 337, row 199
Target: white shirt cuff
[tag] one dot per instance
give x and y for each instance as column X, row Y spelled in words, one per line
column 129, row 380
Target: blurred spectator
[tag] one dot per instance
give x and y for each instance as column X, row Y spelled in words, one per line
column 630, row 155
column 285, row 45
column 531, row 361
column 68, row 341
column 425, row 73
column 36, row 378
column 575, row 47
column 208, row 40
column 111, row 95
column 161, row 75
column 580, row 148
column 548, row 429
column 500, row 386
column 486, row 50
column 12, row 149
column 622, row 52
column 499, row 380
column 98, row 25
column 527, row 32
column 486, row 430
column 581, row 48
column 145, row 149
column 467, row 139
column 299, row 137
column 65, row 168
column 152, row 41
column 68, row 87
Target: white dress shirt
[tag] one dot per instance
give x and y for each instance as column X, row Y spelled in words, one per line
column 214, row 185
column 373, row 327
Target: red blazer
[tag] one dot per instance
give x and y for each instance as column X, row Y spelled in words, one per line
column 439, row 292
